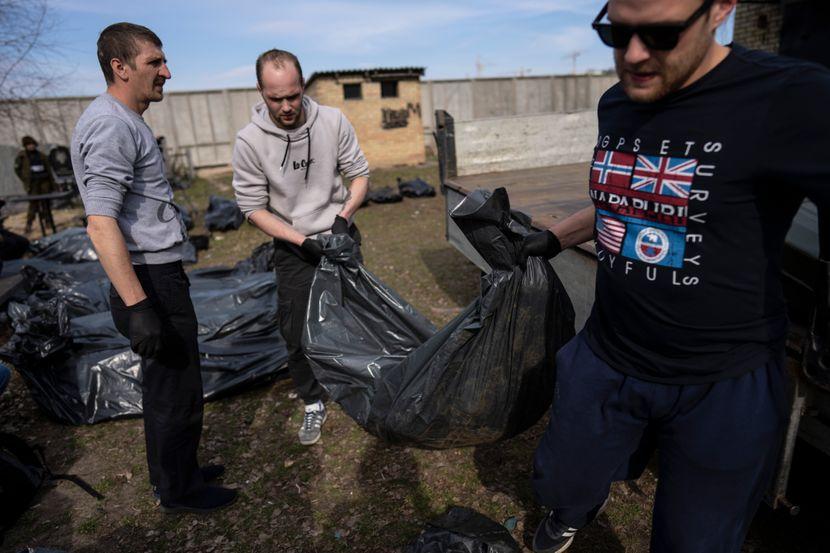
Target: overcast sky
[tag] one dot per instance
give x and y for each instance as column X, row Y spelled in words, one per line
column 213, row 44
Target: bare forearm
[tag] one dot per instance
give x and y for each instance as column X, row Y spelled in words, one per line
column 268, row 223
column 576, row 228
column 358, row 189
column 112, row 251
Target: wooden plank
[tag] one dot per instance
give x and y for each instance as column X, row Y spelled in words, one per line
column 547, row 194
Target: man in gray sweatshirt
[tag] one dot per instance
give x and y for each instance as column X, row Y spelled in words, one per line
column 287, row 166
column 138, row 234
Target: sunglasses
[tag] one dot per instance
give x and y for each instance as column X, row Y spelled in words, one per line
column 656, row 36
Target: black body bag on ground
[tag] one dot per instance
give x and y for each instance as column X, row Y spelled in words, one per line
column 23, row 471
column 223, row 214
column 416, row 188
column 80, row 370
column 462, row 530
column 384, row 195
column 487, row 376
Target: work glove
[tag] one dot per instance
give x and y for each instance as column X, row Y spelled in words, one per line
column 340, row 226
column 313, row 248
column 145, row 329
column 539, row 244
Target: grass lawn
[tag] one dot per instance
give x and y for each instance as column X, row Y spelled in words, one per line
column 350, row 492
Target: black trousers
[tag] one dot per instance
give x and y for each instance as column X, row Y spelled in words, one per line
column 171, row 382
column 295, row 271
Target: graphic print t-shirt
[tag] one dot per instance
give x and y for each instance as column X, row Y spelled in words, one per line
column 694, row 195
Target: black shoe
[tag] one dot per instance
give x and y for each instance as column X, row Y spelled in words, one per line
column 211, row 498
column 209, row 474
column 552, row 536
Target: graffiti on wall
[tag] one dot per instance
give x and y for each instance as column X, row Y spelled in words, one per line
column 399, row 118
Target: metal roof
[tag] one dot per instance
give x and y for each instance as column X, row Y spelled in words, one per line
column 374, row 73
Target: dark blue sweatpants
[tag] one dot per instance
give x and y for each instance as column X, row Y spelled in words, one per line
column 717, row 444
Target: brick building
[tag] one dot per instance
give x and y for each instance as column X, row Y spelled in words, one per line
column 383, row 104
column 795, row 28
column 758, row 25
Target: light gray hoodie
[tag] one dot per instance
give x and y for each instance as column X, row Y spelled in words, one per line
column 296, row 174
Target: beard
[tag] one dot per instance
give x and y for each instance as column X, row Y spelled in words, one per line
column 671, row 72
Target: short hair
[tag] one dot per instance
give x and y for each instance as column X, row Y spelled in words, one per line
column 121, row 40
column 28, row 140
column 278, row 58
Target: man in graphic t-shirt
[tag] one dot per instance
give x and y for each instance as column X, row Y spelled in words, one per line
column 704, row 155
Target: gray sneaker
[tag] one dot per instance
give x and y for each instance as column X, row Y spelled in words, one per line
column 312, row 424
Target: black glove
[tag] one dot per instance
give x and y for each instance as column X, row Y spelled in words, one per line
column 145, row 329
column 340, row 226
column 313, row 248
column 542, row 244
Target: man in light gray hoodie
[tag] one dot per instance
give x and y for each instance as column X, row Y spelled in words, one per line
column 287, row 166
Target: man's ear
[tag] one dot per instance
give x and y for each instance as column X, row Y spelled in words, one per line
column 720, row 11
column 119, row 69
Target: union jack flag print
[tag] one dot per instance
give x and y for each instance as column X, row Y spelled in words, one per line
column 610, row 232
column 612, row 168
column 667, row 176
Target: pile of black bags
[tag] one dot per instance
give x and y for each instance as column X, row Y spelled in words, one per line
column 81, row 370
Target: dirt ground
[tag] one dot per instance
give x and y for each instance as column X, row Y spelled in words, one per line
column 350, row 492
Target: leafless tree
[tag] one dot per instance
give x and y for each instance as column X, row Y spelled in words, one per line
column 27, row 66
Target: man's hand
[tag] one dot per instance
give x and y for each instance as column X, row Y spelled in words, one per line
column 145, row 329
column 340, row 226
column 542, row 244
column 313, row 248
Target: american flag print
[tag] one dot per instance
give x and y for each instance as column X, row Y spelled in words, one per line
column 666, row 176
column 612, row 168
column 610, row 232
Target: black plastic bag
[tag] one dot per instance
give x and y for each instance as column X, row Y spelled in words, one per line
column 487, row 376
column 384, row 195
column 12, row 246
column 462, row 530
column 67, row 246
column 416, row 188
column 223, row 214
column 81, row 370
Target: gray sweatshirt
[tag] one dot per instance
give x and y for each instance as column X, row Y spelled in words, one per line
column 296, row 174
column 120, row 174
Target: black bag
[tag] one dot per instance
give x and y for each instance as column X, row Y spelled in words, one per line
column 463, row 530
column 80, row 369
column 23, row 471
column 487, row 376
column 384, row 195
column 223, row 214
column 416, row 188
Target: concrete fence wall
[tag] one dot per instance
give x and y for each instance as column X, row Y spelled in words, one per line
column 524, row 141
column 202, row 124
column 468, row 100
